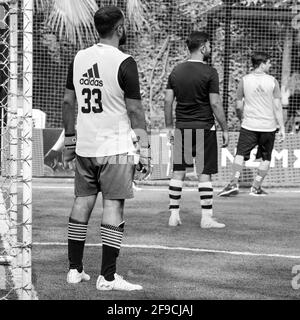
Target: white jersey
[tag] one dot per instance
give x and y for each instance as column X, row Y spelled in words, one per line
column 103, row 126
column 259, row 91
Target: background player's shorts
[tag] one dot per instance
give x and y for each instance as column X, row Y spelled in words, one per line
column 111, row 175
column 248, row 140
column 200, row 144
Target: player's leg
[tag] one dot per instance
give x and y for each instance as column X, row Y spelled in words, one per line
column 112, row 229
column 77, row 231
column 178, row 175
column 205, row 189
column 258, row 180
column 116, row 186
column 247, row 141
column 232, row 188
column 86, row 190
column 175, row 191
column 265, row 147
column 209, row 158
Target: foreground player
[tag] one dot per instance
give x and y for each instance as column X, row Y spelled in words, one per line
column 259, row 108
column 195, row 85
column 105, row 83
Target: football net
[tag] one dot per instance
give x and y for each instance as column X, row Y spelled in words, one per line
column 156, row 39
column 16, row 149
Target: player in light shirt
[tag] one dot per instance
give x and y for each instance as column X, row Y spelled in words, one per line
column 260, row 112
column 104, row 82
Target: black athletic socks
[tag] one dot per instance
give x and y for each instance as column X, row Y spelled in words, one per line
column 111, row 244
column 76, row 239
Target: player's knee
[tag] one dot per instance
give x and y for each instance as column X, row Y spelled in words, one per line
column 178, row 175
column 239, row 159
column 83, row 206
column 204, row 178
column 264, row 165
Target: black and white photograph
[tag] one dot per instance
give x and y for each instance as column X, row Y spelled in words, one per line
column 150, row 153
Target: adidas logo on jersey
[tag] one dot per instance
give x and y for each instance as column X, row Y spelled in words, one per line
column 92, row 77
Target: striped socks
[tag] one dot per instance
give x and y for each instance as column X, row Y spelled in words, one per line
column 175, row 190
column 76, row 239
column 111, row 244
column 262, row 172
column 206, row 198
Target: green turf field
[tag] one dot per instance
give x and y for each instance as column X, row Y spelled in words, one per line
column 252, row 258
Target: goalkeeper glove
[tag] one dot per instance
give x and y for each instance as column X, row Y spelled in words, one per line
column 144, row 166
column 170, row 136
column 68, row 153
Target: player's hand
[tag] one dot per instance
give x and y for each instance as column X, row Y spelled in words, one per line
column 281, row 135
column 169, row 132
column 170, row 135
column 225, row 137
column 68, row 153
column 144, row 166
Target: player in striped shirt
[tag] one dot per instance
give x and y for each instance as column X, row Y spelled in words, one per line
column 260, row 111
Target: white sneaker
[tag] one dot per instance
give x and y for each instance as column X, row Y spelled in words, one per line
column 208, row 223
column 75, row 277
column 118, row 284
column 174, row 219
column 258, row 192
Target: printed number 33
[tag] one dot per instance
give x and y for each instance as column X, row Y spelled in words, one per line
column 88, row 93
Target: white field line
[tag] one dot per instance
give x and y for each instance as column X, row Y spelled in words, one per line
column 185, row 189
column 158, row 247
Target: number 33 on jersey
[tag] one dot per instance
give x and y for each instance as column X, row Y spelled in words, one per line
column 103, row 126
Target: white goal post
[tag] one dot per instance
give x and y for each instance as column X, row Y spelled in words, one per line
column 16, row 145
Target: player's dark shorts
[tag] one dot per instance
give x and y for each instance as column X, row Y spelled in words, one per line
column 111, row 175
column 248, row 140
column 200, row 144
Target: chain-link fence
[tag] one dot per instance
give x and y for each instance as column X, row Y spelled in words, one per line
column 156, row 38
column 16, row 149
column 157, row 41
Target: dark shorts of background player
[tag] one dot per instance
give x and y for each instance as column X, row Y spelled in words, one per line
column 200, row 144
column 248, row 140
column 111, row 175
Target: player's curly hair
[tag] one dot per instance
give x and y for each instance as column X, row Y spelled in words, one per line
column 196, row 39
column 106, row 19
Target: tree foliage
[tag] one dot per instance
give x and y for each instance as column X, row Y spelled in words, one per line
column 156, row 39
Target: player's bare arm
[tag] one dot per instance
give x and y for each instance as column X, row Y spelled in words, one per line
column 240, row 100
column 279, row 116
column 240, row 109
column 168, row 110
column 278, row 110
column 68, row 116
column 219, row 113
column 169, row 98
column 136, row 115
column 68, row 111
